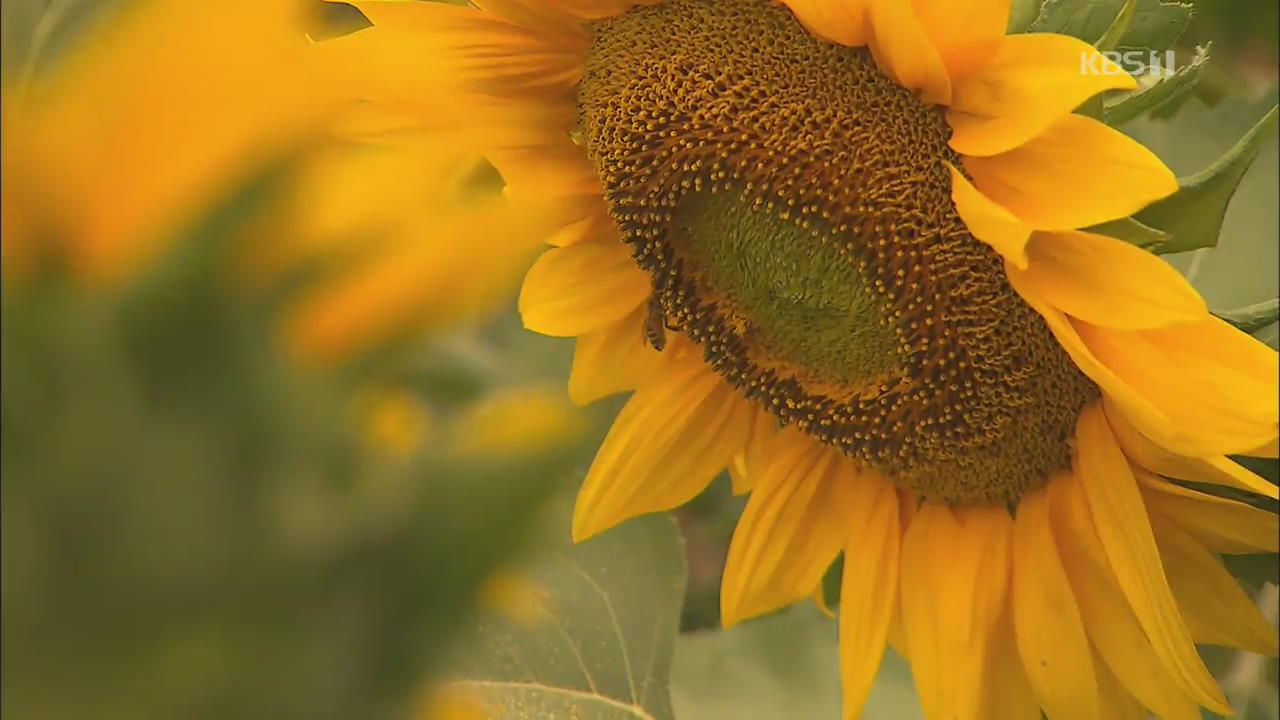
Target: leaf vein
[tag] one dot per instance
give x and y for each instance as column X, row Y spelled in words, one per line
column 617, row 627
column 577, row 653
column 639, row 712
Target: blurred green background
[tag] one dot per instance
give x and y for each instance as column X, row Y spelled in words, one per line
column 196, row 527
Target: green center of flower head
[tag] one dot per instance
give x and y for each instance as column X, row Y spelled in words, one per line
column 814, row 310
column 793, row 210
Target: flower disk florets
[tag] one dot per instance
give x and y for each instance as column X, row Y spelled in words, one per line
column 792, row 207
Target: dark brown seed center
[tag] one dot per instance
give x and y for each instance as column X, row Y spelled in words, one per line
column 792, row 207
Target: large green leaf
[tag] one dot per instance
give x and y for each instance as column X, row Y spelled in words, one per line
column 1156, row 24
column 1086, row 20
column 1153, row 25
column 1193, row 215
column 1132, row 231
column 1021, row 14
column 596, row 635
column 782, row 665
column 1118, row 27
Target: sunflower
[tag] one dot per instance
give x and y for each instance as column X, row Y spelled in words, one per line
column 835, row 247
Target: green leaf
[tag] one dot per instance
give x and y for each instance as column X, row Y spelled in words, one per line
column 1194, row 214
column 599, row 638
column 831, row 580
column 1119, row 26
column 1154, row 25
column 1134, row 232
column 1254, row 571
column 1085, row 20
column 783, row 665
column 1254, row 317
column 1021, row 14
column 334, row 19
column 34, row 33
column 1156, row 89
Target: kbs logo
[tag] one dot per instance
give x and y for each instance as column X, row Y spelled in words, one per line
column 1132, row 62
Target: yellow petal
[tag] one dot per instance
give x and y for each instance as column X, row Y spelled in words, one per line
column 1050, row 634
column 1268, row 450
column 1216, row 609
column 1222, row 525
column 904, row 52
column 668, row 443
column 533, row 14
column 594, row 10
column 454, row 264
column 612, row 358
column 479, row 50
column 965, row 559
column 1006, row 692
column 1033, row 80
column 869, row 588
column 1115, row 702
column 1138, row 408
column 965, row 33
column 932, row 524
column 988, row 221
column 573, row 290
column 753, row 460
column 1114, row 630
column 1109, row 282
column 1215, row 343
column 1076, row 173
column 1171, row 408
column 839, row 21
column 1214, row 470
column 1125, row 531
column 790, row 531
column 1192, row 373
column 558, row 177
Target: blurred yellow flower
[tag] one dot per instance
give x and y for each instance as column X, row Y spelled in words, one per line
column 517, row 421
column 406, row 239
column 449, row 702
column 144, row 123
column 513, row 596
column 393, row 421
column 146, row 129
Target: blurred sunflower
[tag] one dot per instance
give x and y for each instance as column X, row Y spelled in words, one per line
column 380, row 237
column 187, row 187
column 859, row 222
column 100, row 193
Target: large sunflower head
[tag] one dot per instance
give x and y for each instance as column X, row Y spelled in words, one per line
column 836, row 247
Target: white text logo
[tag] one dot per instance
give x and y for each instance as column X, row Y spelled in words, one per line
column 1132, row 62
